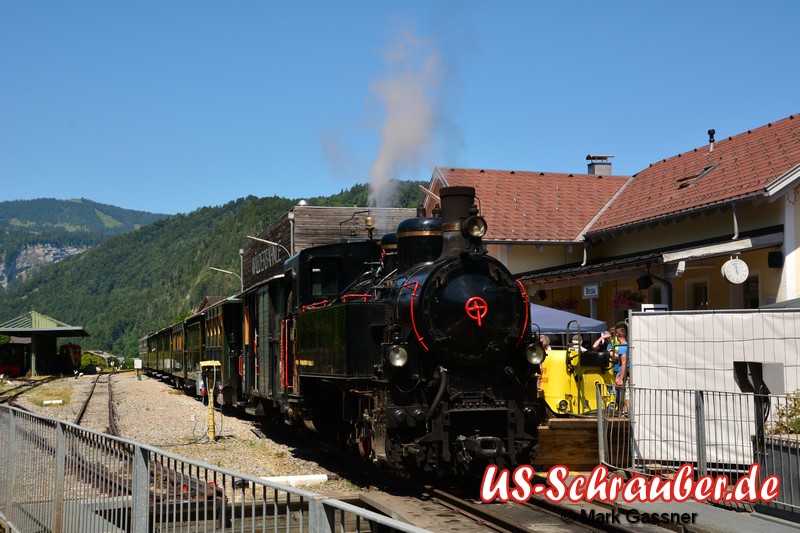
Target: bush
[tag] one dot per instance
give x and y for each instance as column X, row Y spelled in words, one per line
column 787, row 417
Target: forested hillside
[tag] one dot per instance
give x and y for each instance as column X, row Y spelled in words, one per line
column 48, row 215
column 37, row 232
column 137, row 282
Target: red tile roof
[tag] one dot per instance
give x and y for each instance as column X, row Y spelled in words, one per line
column 738, row 167
column 535, row 206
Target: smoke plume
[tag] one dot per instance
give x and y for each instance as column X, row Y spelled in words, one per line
column 407, row 93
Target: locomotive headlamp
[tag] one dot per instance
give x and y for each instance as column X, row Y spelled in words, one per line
column 474, row 227
column 534, row 353
column 397, row 356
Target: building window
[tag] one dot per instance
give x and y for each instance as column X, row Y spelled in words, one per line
column 750, row 288
column 697, row 295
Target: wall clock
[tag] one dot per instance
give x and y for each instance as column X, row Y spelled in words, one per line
column 735, row 270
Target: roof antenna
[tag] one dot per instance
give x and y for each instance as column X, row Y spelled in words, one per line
column 711, row 133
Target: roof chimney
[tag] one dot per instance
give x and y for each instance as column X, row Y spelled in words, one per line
column 711, row 133
column 599, row 164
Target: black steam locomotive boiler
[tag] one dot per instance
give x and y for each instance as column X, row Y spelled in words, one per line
column 417, row 350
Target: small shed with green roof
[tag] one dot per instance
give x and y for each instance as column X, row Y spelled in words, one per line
column 44, row 333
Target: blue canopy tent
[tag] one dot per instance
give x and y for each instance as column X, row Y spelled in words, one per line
column 554, row 321
column 786, row 304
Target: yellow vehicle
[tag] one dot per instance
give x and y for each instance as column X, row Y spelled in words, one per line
column 570, row 375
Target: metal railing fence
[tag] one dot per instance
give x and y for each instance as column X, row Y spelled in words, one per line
column 719, row 433
column 58, row 477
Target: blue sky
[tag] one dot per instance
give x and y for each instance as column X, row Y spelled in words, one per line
column 168, row 106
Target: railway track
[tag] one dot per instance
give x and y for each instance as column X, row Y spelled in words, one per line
column 439, row 509
column 97, row 411
column 433, row 508
column 458, row 508
column 10, row 395
column 426, row 506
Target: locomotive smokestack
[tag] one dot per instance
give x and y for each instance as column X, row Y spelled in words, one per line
column 458, row 213
column 456, row 202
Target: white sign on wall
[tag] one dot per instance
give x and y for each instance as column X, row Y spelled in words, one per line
column 591, row 291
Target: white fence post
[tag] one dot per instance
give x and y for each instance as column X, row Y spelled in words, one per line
column 11, row 464
column 59, row 462
column 141, row 490
column 700, row 430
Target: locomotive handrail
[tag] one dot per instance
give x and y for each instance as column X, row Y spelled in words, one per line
column 284, row 353
column 527, row 312
column 315, row 305
column 415, row 286
column 356, row 295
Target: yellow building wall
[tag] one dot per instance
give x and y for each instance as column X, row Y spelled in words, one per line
column 672, row 234
column 790, row 283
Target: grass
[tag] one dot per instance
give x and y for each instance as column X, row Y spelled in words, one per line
column 50, row 392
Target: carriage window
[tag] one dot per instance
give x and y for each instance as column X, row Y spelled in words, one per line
column 325, row 275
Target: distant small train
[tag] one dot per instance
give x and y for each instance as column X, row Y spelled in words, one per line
column 15, row 359
column 69, row 355
column 416, row 349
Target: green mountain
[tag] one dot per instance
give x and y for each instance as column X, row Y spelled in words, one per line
column 134, row 283
column 48, row 215
column 34, row 233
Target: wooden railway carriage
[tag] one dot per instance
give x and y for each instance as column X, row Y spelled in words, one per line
column 159, row 353
column 177, row 366
column 223, row 341
column 143, row 355
column 194, row 331
column 163, row 352
column 149, row 360
column 264, row 307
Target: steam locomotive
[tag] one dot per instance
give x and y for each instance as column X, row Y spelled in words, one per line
column 416, row 349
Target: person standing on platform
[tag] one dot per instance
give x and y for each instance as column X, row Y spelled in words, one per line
column 622, row 367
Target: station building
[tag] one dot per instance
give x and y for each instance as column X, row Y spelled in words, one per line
column 715, row 227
